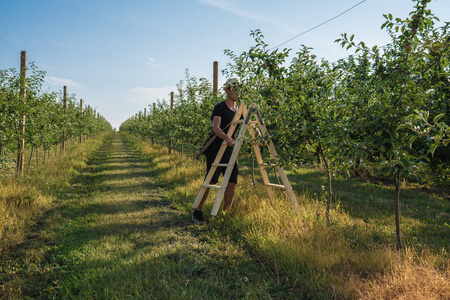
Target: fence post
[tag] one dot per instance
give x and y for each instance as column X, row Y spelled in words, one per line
column 22, row 95
column 81, row 118
column 154, row 109
column 63, row 143
column 171, row 110
column 215, row 78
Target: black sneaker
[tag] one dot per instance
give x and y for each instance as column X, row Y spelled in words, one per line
column 197, row 217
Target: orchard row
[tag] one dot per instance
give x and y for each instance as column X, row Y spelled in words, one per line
column 32, row 119
column 381, row 112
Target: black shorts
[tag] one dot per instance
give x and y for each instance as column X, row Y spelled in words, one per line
column 211, row 156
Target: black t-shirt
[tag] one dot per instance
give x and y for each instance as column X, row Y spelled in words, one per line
column 226, row 116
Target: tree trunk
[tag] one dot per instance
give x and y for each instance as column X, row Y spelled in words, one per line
column 31, row 156
column 330, row 192
column 397, row 208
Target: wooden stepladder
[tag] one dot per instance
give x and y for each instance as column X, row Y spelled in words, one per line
column 242, row 111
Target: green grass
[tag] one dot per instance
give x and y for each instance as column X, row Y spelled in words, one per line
column 122, row 229
column 24, row 198
column 352, row 257
column 114, row 235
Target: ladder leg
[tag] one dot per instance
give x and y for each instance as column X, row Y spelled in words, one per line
column 280, row 169
column 289, row 190
column 209, row 176
column 200, row 195
column 262, row 170
column 231, row 163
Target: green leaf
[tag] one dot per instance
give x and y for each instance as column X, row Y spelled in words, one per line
column 438, row 117
column 433, row 148
column 411, row 141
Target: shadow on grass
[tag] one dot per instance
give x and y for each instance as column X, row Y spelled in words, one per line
column 115, row 200
column 424, row 215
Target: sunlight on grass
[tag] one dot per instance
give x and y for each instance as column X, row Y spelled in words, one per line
column 24, row 198
column 122, row 229
column 352, row 257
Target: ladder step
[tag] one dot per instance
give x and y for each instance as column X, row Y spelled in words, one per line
column 241, row 121
column 268, row 165
column 220, row 165
column 211, row 186
column 275, row 185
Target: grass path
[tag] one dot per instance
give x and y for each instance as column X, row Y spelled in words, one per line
column 113, row 235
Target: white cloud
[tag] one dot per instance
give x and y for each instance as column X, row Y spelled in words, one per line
column 150, row 95
column 151, row 62
column 61, row 82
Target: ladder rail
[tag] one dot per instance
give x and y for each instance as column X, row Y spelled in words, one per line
column 241, row 110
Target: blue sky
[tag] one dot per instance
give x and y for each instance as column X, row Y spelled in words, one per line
column 121, row 56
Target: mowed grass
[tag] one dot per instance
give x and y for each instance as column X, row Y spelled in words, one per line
column 24, row 198
column 122, row 229
column 352, row 257
column 115, row 234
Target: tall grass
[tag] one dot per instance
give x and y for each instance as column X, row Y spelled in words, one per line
column 24, row 198
column 352, row 257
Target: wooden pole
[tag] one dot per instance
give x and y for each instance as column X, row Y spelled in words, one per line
column 215, row 78
column 63, row 144
column 154, row 110
column 171, row 110
column 22, row 95
column 145, row 112
column 81, row 114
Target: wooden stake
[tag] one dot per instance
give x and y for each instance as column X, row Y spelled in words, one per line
column 154, row 110
column 171, row 109
column 215, row 78
column 22, row 94
column 81, row 112
column 63, row 143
